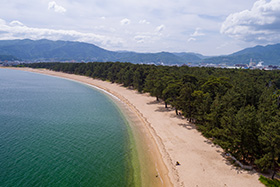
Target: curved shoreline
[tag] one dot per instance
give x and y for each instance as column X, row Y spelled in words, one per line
column 158, row 175
column 201, row 162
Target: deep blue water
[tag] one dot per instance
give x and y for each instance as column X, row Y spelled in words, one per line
column 56, row 132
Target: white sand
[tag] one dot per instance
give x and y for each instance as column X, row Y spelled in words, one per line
column 202, row 163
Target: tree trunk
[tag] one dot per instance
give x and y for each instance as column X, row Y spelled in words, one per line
column 165, row 104
column 274, row 172
column 176, row 110
column 274, row 169
column 157, row 98
column 273, row 164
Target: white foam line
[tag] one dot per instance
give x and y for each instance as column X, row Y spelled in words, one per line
column 158, row 174
column 112, row 95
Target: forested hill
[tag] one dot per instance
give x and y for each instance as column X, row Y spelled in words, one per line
column 57, row 51
column 61, row 51
column 237, row 109
column 8, row 58
column 46, row 50
column 269, row 54
column 50, row 51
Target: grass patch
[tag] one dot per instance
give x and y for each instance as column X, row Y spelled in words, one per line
column 269, row 182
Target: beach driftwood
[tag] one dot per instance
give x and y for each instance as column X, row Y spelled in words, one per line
column 247, row 167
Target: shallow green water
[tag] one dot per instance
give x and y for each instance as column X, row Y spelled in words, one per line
column 55, row 132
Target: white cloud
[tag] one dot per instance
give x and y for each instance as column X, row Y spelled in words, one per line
column 260, row 24
column 140, row 38
column 144, row 22
column 57, row 8
column 2, row 22
column 160, row 28
column 147, row 37
column 191, row 39
column 16, row 23
column 125, row 21
column 17, row 30
column 197, row 32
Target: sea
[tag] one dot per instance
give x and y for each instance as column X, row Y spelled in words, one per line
column 57, row 132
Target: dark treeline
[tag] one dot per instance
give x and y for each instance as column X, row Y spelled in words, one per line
column 237, row 109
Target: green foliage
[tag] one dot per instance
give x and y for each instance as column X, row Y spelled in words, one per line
column 246, row 131
column 171, row 93
column 216, row 86
column 270, row 141
column 269, row 182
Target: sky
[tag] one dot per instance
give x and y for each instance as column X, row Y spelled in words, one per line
column 215, row 27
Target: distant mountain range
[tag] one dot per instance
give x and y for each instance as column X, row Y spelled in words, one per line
column 47, row 50
column 50, row 51
column 269, row 54
column 8, row 58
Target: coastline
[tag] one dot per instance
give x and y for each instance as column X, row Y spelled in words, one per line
column 171, row 139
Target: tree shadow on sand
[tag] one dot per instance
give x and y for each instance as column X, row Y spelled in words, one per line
column 209, row 142
column 154, row 102
column 163, row 109
column 188, row 126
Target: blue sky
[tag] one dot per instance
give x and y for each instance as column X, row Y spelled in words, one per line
column 213, row 27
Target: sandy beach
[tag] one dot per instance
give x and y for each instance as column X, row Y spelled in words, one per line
column 172, row 138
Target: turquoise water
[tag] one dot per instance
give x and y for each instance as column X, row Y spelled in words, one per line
column 55, row 132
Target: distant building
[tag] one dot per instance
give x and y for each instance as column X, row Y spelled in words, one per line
column 272, row 67
column 251, row 63
column 244, row 66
